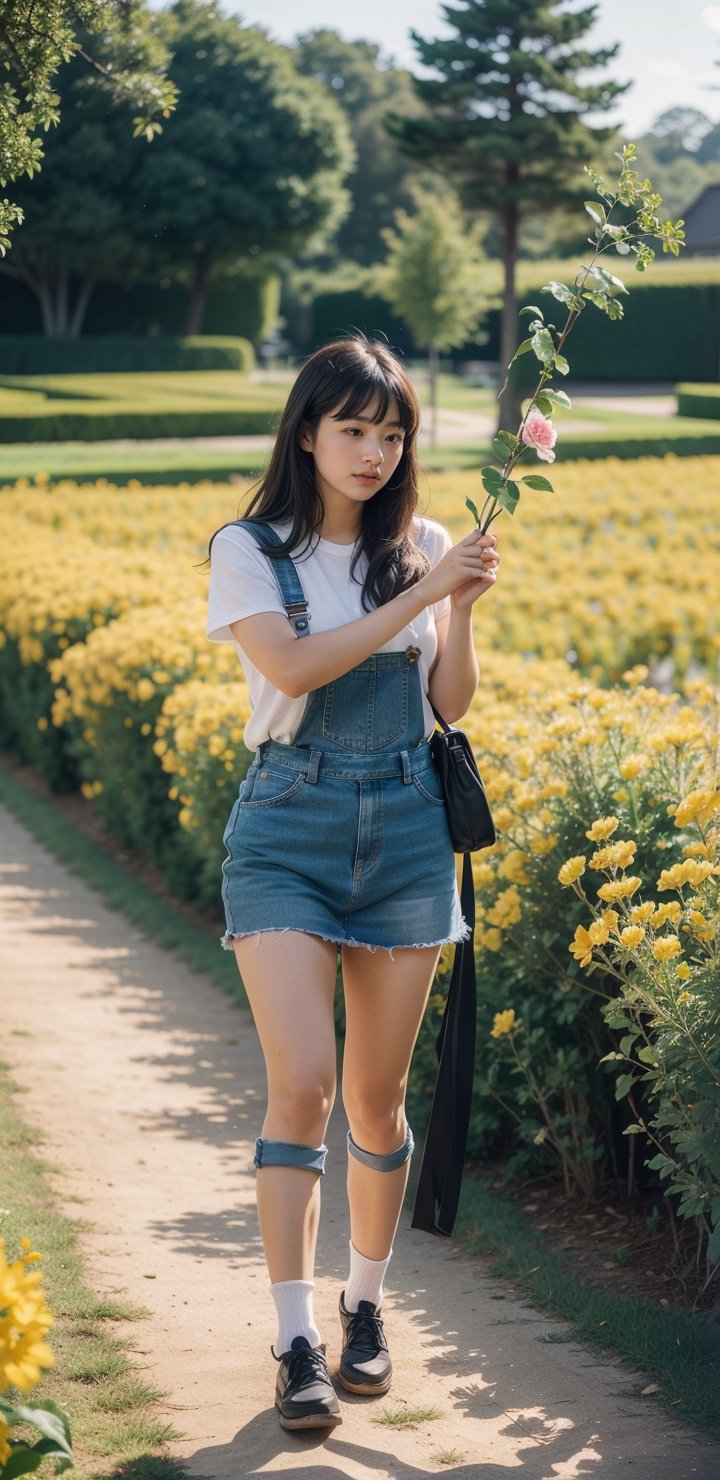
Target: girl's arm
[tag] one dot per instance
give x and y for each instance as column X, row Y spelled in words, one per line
column 455, row 673
column 296, row 666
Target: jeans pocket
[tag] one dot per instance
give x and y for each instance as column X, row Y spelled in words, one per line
column 270, row 786
column 428, row 784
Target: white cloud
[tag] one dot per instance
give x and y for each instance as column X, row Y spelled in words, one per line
column 710, row 17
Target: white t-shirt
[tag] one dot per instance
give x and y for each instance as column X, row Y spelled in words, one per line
column 243, row 583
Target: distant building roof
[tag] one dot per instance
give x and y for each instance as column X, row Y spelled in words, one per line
column 702, row 223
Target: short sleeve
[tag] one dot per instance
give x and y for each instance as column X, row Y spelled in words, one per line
column 242, row 583
column 435, row 541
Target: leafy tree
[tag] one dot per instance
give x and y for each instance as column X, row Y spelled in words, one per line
column 433, row 278
column 35, row 42
column 505, row 122
column 81, row 211
column 365, row 85
column 253, row 162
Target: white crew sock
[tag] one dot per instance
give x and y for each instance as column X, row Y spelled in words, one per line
column 365, row 1281
column 294, row 1306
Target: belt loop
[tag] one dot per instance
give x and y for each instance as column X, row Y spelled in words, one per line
column 313, row 765
column 407, row 773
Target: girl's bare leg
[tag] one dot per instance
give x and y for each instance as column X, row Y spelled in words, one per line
column 290, row 980
column 385, row 999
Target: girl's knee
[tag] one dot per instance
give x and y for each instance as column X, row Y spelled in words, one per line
column 377, row 1120
column 299, row 1109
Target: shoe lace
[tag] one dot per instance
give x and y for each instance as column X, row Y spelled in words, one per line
column 365, row 1331
column 306, row 1367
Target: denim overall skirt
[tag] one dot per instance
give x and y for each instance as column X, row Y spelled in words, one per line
column 344, row 834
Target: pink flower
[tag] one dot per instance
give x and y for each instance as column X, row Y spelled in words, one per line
column 539, row 432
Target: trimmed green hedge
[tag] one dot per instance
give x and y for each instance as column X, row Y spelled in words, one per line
column 670, row 331
column 88, row 424
column 32, row 354
column 699, row 400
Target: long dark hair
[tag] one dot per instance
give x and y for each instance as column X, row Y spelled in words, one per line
column 344, row 378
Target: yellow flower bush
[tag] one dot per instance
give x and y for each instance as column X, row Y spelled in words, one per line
column 25, row 1320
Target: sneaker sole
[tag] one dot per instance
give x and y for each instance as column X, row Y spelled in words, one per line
column 309, row 1420
column 367, row 1388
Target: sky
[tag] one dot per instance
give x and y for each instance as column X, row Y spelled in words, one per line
column 667, row 47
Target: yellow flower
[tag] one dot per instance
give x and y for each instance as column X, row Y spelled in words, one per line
column 145, row 689
column 5, row 1450
column 503, row 1022
column 620, row 888
column 685, row 997
column 572, row 869
column 513, row 867
column 633, row 767
column 622, row 795
column 642, row 912
column 614, row 855
column 24, row 1322
column 581, row 946
column 631, row 936
column 491, row 939
column 683, row 971
column 666, row 948
column 697, row 806
column 665, row 912
column 691, row 871
column 506, row 909
column 603, row 828
column 543, row 844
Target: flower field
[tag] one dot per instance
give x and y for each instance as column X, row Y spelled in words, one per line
column 598, row 910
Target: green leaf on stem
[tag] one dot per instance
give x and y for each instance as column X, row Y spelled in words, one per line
column 609, row 280
column 561, row 364
column 491, row 480
column 559, row 397
column 507, row 439
column 563, row 294
column 543, row 404
column 508, row 496
column 473, row 510
column 543, row 347
column 594, row 209
column 536, row 480
column 522, row 349
column 532, row 308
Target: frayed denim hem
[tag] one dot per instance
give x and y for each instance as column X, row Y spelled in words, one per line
column 342, row 940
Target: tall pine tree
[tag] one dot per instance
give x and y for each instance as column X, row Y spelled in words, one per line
column 505, row 120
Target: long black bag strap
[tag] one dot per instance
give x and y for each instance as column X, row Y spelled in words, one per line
column 443, row 1159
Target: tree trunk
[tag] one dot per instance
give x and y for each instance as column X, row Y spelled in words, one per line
column 51, row 287
column 511, row 398
column 199, row 289
column 433, row 362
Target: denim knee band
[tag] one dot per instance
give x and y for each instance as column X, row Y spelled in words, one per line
column 379, row 1161
column 288, row 1154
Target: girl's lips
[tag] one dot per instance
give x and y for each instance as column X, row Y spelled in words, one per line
column 367, row 477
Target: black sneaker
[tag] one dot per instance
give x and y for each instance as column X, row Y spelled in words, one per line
column 365, row 1365
column 303, row 1392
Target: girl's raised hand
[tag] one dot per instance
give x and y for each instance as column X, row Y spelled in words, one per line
column 466, row 572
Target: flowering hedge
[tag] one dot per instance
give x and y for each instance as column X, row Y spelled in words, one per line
column 25, row 1320
column 107, row 681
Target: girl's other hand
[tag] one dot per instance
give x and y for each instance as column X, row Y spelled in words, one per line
column 466, row 572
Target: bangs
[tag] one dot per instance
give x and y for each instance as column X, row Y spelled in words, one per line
column 369, row 389
column 379, row 395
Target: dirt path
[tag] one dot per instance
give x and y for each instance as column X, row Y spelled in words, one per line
column 147, row 1086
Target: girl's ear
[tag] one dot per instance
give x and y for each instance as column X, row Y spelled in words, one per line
column 305, row 440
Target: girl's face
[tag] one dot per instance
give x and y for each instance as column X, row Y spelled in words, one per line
column 354, row 458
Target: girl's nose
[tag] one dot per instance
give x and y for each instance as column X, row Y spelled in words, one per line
column 374, row 457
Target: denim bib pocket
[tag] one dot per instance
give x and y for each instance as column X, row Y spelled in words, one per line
column 368, row 708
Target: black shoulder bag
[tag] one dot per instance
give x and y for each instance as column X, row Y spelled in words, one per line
column 443, row 1159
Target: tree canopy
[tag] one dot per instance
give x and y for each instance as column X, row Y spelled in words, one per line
column 35, row 43
column 251, row 164
column 505, row 111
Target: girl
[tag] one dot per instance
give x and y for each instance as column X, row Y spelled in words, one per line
column 338, row 839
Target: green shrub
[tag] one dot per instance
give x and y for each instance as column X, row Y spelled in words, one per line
column 32, row 354
column 699, row 400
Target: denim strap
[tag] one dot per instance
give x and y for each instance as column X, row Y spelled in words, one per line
column 291, row 591
column 289, row 1154
column 379, row 1161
